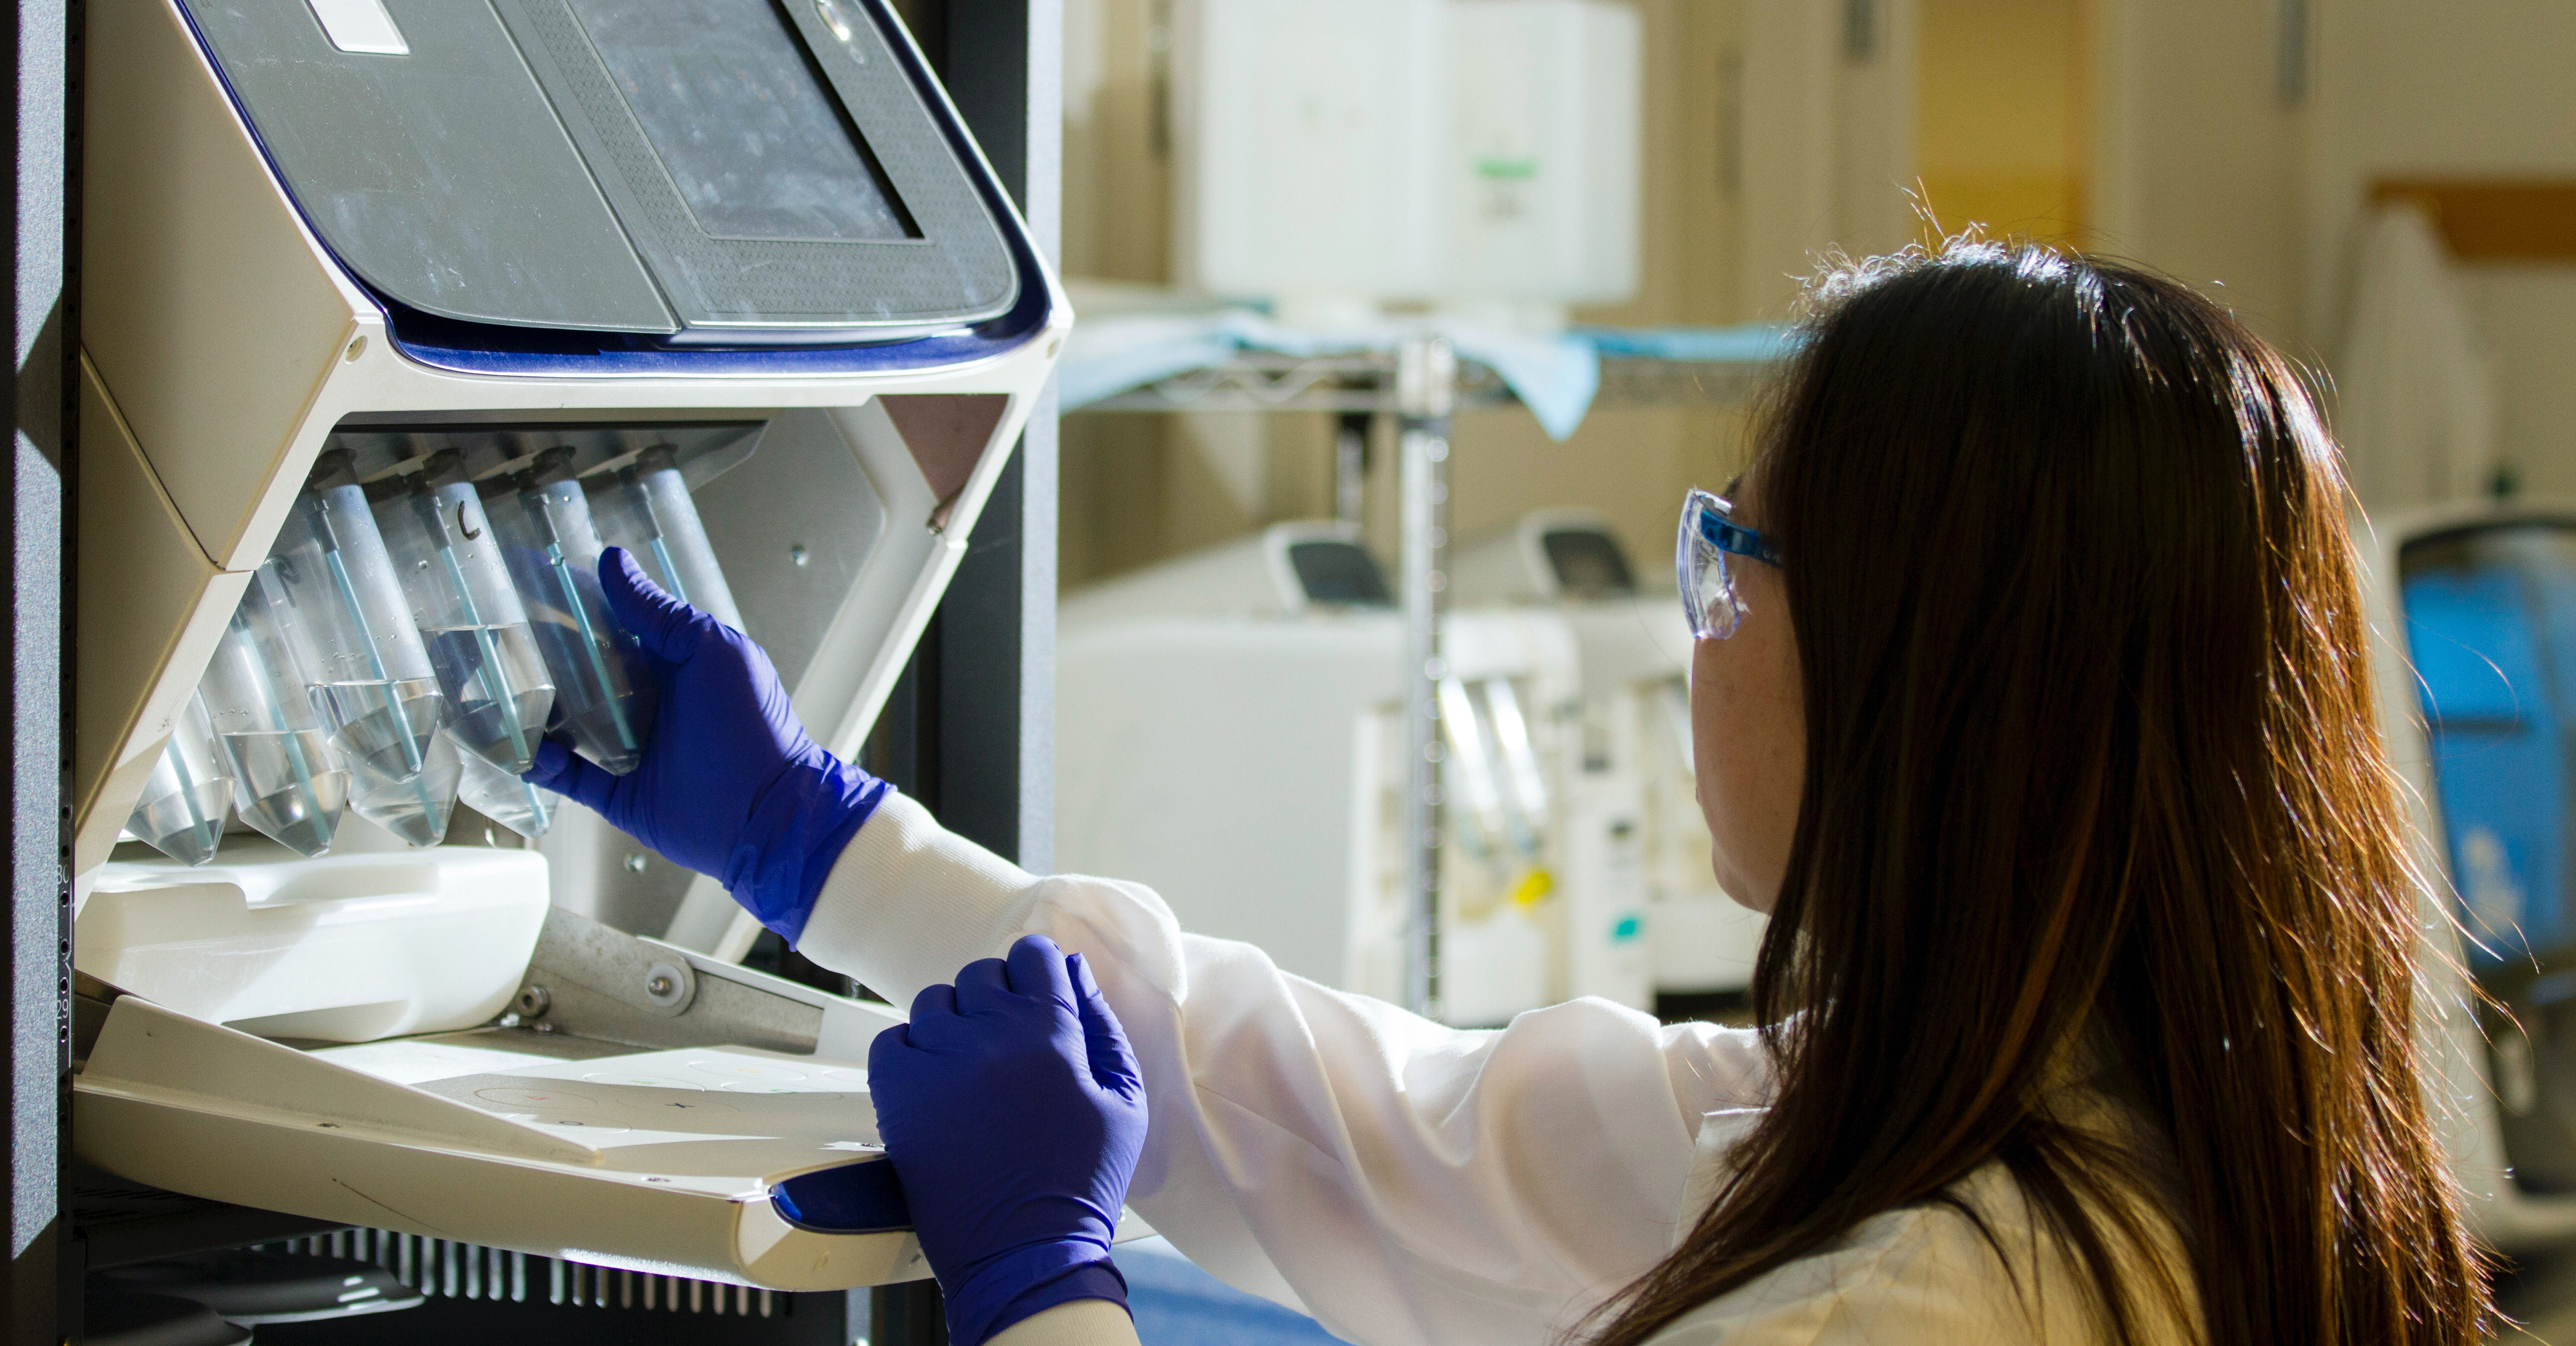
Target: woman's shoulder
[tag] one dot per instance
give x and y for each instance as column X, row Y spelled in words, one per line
column 1985, row 1270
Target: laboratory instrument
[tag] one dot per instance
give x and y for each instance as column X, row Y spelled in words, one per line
column 1333, row 155
column 2473, row 614
column 832, row 331
column 1540, row 178
column 1636, row 763
column 1230, row 733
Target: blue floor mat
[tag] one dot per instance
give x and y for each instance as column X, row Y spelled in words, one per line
column 1176, row 1304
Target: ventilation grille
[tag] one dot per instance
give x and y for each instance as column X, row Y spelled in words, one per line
column 444, row 1269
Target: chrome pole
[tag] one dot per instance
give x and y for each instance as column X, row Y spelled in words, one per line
column 1425, row 390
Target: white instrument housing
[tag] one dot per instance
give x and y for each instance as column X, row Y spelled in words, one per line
column 224, row 345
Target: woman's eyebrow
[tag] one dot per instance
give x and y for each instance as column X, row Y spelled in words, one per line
column 1732, row 484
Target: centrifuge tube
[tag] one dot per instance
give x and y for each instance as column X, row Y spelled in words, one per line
column 480, row 648
column 604, row 696
column 648, row 511
column 508, row 800
column 182, row 810
column 369, row 674
column 287, row 782
column 415, row 807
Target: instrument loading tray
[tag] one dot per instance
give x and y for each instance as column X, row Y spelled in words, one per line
column 595, row 1142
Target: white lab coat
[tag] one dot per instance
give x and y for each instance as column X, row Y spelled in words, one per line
column 1406, row 1183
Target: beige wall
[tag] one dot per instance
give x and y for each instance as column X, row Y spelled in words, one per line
column 2003, row 127
column 2198, row 157
column 2476, row 90
column 1826, row 136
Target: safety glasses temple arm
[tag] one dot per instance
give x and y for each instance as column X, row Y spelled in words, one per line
column 1729, row 536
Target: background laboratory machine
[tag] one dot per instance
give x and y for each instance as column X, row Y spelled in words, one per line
column 2475, row 611
column 1229, row 733
column 393, row 320
column 1635, row 759
column 1479, row 155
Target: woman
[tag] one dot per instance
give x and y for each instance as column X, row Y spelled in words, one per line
column 2031, row 700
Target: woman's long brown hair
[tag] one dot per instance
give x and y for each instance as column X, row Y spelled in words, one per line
column 2091, row 756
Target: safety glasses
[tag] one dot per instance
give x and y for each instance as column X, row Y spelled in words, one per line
column 1709, row 535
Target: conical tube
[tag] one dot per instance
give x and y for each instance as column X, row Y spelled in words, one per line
column 287, row 782
column 182, row 810
column 415, row 808
column 508, row 800
column 480, row 648
column 368, row 673
column 604, row 696
column 648, row 511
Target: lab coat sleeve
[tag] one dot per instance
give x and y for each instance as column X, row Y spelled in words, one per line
column 1407, row 1183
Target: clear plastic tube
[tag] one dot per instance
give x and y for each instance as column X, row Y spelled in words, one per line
column 416, row 807
column 648, row 511
column 480, row 648
column 367, row 671
column 287, row 782
column 604, row 695
column 508, row 800
column 182, row 810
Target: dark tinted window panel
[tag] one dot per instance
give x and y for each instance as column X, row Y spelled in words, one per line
column 955, row 266
column 1588, row 564
column 441, row 178
column 2491, row 628
column 1338, row 572
column 730, row 102
column 782, row 179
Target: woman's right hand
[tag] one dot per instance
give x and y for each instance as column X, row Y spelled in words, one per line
column 730, row 784
column 1012, row 1109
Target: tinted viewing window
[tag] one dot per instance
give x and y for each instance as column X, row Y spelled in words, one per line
column 1588, row 564
column 1338, row 572
column 2491, row 623
column 2491, row 628
column 743, row 121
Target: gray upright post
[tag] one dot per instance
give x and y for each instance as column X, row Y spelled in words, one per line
column 34, row 687
column 977, row 711
column 1002, row 62
column 1426, row 386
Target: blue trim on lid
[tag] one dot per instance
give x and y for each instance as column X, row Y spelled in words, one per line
column 485, row 348
column 860, row 1198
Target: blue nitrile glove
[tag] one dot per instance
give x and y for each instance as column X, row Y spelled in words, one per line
column 1013, row 1113
column 730, row 784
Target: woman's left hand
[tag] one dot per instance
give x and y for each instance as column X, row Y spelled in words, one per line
column 1012, row 1110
